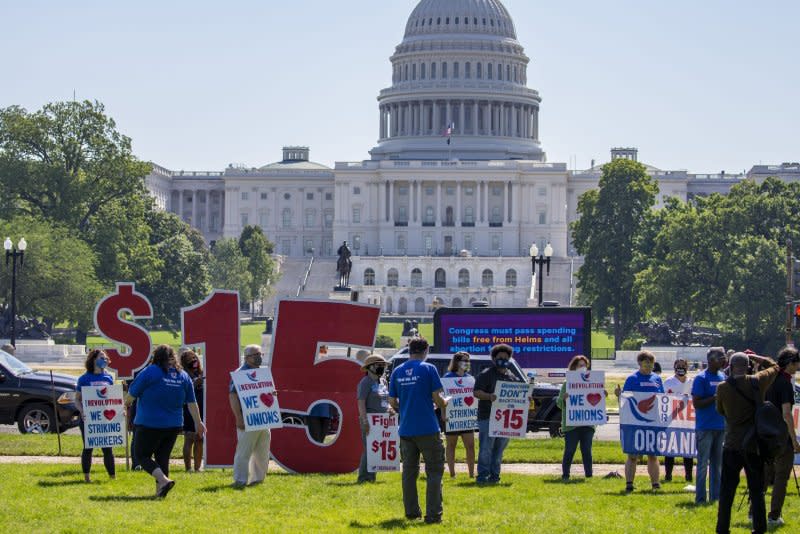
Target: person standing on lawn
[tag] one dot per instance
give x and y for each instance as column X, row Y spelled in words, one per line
column 414, row 387
column 372, row 397
column 679, row 384
column 192, row 443
column 160, row 391
column 490, row 450
column 96, row 375
column 575, row 435
column 709, row 425
column 459, row 367
column 643, row 380
column 251, row 460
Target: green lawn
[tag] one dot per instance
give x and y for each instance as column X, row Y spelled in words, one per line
column 53, row 498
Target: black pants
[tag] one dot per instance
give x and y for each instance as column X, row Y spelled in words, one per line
column 688, row 465
column 86, row 458
column 155, row 443
column 732, row 463
column 318, row 427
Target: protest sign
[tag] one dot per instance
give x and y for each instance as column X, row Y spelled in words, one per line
column 462, row 410
column 657, row 424
column 509, row 415
column 256, row 392
column 383, row 443
column 104, row 416
column 586, row 402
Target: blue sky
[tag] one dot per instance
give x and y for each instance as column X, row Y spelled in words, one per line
column 700, row 85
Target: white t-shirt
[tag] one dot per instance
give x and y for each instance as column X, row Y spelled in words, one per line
column 673, row 386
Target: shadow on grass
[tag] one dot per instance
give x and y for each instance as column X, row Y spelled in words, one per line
column 66, row 472
column 691, row 505
column 353, row 483
column 122, row 498
column 60, row 483
column 648, row 491
column 564, row 482
column 389, row 524
column 221, row 487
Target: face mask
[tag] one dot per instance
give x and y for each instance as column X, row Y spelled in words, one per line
column 680, row 372
column 257, row 360
column 378, row 370
column 581, row 368
column 101, row 364
column 502, row 363
column 195, row 364
column 464, row 366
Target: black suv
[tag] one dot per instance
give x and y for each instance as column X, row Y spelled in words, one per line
column 543, row 414
column 26, row 397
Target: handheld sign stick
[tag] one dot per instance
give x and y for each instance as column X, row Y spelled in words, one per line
column 55, row 410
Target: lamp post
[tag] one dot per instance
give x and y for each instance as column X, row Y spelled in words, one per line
column 12, row 254
column 541, row 261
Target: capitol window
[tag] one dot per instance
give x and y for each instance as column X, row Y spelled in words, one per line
column 511, row 278
column 428, row 190
column 311, row 217
column 414, row 71
column 463, row 278
column 468, row 241
column 328, row 219
column 328, row 196
column 444, row 70
column 467, row 70
column 429, row 214
column 403, row 190
column 422, row 71
column 450, row 190
column 479, row 71
column 496, row 216
column 309, row 196
column 245, row 195
column 433, row 71
column 497, row 190
column 356, row 215
column 499, row 72
column 244, row 219
column 469, row 190
column 489, row 75
column 542, row 191
column 369, row 277
column 456, row 72
column 286, row 217
column 440, row 278
column 263, row 219
column 495, row 242
column 287, row 196
column 542, row 217
column 356, row 190
column 487, row 278
column 263, row 196
column 392, row 278
column 469, row 215
column 508, row 72
column 416, row 278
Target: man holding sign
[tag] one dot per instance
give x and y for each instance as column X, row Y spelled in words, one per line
column 413, row 389
column 514, row 419
column 254, row 404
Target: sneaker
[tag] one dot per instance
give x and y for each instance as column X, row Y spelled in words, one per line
column 775, row 522
column 238, row 485
column 690, row 488
column 629, row 488
column 431, row 520
column 414, row 516
column 656, row 486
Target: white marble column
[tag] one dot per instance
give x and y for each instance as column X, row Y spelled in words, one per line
column 502, row 122
column 194, row 209
column 458, row 203
column 439, row 218
column 486, row 200
column 490, row 114
column 509, row 206
column 475, row 118
column 461, row 117
column 478, row 185
column 419, row 199
column 514, row 117
column 435, row 128
column 208, row 211
column 180, row 203
column 390, row 217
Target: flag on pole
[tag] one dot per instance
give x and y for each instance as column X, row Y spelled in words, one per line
column 449, row 131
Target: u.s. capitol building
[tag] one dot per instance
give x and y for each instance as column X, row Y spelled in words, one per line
column 429, row 222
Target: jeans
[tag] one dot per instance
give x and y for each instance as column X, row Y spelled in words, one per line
column 582, row 435
column 490, row 454
column 432, row 450
column 732, row 463
column 363, row 474
column 709, row 451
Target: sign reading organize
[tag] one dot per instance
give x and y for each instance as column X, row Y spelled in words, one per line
column 383, row 443
column 509, row 415
column 256, row 391
column 586, row 404
column 104, row 416
column 657, row 424
column 462, row 411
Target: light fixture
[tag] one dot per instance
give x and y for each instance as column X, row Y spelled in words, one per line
column 8, row 244
column 22, row 245
column 548, row 251
column 534, row 250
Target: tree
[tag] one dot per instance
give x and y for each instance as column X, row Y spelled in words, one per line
column 229, row 269
column 57, row 280
column 66, row 161
column 611, row 221
column 257, row 249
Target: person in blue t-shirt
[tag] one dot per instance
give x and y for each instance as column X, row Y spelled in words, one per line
column 160, row 391
column 709, row 425
column 643, row 380
column 413, row 389
column 95, row 375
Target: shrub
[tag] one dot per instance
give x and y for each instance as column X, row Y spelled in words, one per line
column 384, row 342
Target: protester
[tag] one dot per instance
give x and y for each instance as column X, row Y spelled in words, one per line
column 678, row 384
column 490, row 451
column 575, row 435
column 709, row 426
column 413, row 389
column 131, row 416
column 459, row 367
column 161, row 390
column 778, row 469
column 251, row 460
column 192, row 443
column 643, row 380
column 373, row 397
column 657, row 368
column 736, row 401
column 96, row 375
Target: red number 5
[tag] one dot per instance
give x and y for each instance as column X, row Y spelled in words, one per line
column 302, row 380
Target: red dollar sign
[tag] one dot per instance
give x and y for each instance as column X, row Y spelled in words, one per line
column 108, row 321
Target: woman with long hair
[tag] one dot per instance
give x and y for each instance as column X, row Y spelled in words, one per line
column 575, row 435
column 192, row 443
column 96, row 375
column 459, row 367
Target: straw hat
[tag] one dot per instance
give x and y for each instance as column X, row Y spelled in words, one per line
column 372, row 358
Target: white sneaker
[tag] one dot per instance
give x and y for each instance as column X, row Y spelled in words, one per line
column 690, row 488
column 775, row 522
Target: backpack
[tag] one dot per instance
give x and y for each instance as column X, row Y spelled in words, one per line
column 769, row 434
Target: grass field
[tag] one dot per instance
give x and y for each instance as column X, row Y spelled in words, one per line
column 53, row 498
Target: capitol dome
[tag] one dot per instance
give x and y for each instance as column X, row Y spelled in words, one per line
column 460, row 16
column 459, row 75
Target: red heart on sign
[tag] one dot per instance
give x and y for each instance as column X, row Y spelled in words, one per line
column 594, row 398
column 267, row 399
column 109, row 414
column 469, row 400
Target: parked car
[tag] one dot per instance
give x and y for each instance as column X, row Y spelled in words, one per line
column 26, row 397
column 543, row 414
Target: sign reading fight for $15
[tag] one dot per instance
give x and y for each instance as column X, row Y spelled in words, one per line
column 383, row 443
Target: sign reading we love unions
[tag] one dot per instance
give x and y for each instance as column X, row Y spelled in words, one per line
column 256, row 391
column 104, row 416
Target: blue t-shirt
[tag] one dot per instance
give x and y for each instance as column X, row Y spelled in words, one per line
column 644, row 383
column 160, row 397
column 92, row 379
column 413, row 384
column 705, row 386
